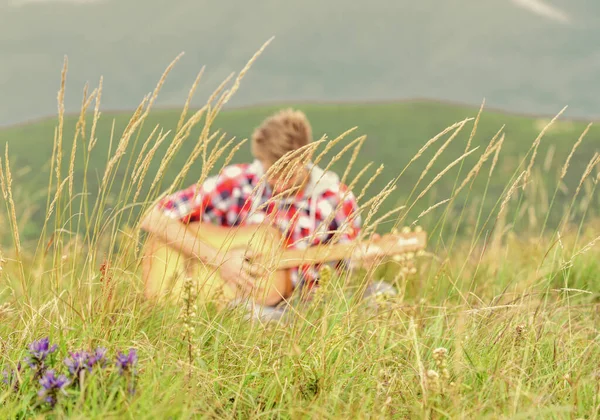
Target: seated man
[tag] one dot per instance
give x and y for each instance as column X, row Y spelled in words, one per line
column 311, row 206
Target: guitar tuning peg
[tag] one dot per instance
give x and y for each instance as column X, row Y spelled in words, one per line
column 406, row 229
column 418, row 229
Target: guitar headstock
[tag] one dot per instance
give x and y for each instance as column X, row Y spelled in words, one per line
column 405, row 242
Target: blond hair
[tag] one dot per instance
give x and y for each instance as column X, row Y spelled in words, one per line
column 283, row 132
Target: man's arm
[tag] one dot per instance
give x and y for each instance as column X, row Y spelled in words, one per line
column 199, row 205
column 174, row 233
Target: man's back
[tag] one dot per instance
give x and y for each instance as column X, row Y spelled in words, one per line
column 240, row 195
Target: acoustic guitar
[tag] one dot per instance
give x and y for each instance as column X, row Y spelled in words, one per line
column 165, row 269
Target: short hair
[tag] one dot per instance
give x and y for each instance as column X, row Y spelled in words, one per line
column 281, row 133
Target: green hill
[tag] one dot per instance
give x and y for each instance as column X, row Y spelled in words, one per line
column 362, row 50
column 395, row 132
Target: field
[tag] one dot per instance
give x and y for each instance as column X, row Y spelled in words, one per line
column 500, row 320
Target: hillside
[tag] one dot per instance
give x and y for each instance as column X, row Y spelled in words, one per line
column 395, row 132
column 462, row 51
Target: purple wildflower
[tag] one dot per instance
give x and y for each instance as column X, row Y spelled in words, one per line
column 51, row 386
column 10, row 377
column 38, row 352
column 98, row 357
column 126, row 362
column 77, row 363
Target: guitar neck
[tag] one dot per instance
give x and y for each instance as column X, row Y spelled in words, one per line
column 319, row 254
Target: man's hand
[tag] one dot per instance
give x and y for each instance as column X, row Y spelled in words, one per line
column 237, row 270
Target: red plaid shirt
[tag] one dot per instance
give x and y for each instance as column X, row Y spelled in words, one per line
column 234, row 197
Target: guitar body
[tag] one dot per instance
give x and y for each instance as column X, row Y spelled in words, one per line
column 165, row 269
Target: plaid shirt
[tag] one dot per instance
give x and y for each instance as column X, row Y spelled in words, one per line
column 237, row 196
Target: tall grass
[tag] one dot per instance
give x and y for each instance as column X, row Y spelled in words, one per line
column 497, row 322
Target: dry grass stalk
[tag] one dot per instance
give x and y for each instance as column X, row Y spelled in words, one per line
column 177, row 141
column 431, row 208
column 488, row 151
column 245, row 70
column 6, row 182
column 56, row 197
column 352, row 159
column 575, row 146
column 145, row 165
column 212, row 113
column 549, row 157
column 436, row 138
column 338, row 156
column 189, row 98
column 3, row 186
column 61, row 114
column 510, row 192
column 440, row 151
column 93, row 138
column 134, row 123
column 79, row 129
column 583, row 250
column 442, row 173
column 296, row 155
column 161, row 82
column 332, row 143
column 536, row 144
column 210, row 116
column 369, row 182
column 496, row 155
column 142, row 158
column 375, row 202
column 216, row 155
column 588, row 170
column 379, row 220
column 475, row 125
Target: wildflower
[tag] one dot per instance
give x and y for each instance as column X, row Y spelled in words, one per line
column 39, row 350
column 98, row 357
column 440, row 355
column 433, row 380
column 51, row 386
column 77, row 363
column 11, row 377
column 126, row 362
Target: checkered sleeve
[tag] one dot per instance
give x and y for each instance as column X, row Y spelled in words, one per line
column 344, row 227
column 346, row 224
column 206, row 202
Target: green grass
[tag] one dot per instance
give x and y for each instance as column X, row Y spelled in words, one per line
column 395, row 132
column 513, row 302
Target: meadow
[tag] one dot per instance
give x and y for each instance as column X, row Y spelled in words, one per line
column 500, row 319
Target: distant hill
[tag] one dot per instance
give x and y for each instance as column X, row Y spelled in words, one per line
column 395, row 132
column 519, row 57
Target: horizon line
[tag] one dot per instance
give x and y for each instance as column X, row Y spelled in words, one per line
column 282, row 103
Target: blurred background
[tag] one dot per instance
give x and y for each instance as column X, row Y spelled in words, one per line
column 401, row 71
column 523, row 56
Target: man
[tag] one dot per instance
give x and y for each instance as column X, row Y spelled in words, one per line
column 308, row 205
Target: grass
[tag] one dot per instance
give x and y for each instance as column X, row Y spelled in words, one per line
column 500, row 320
column 395, row 133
